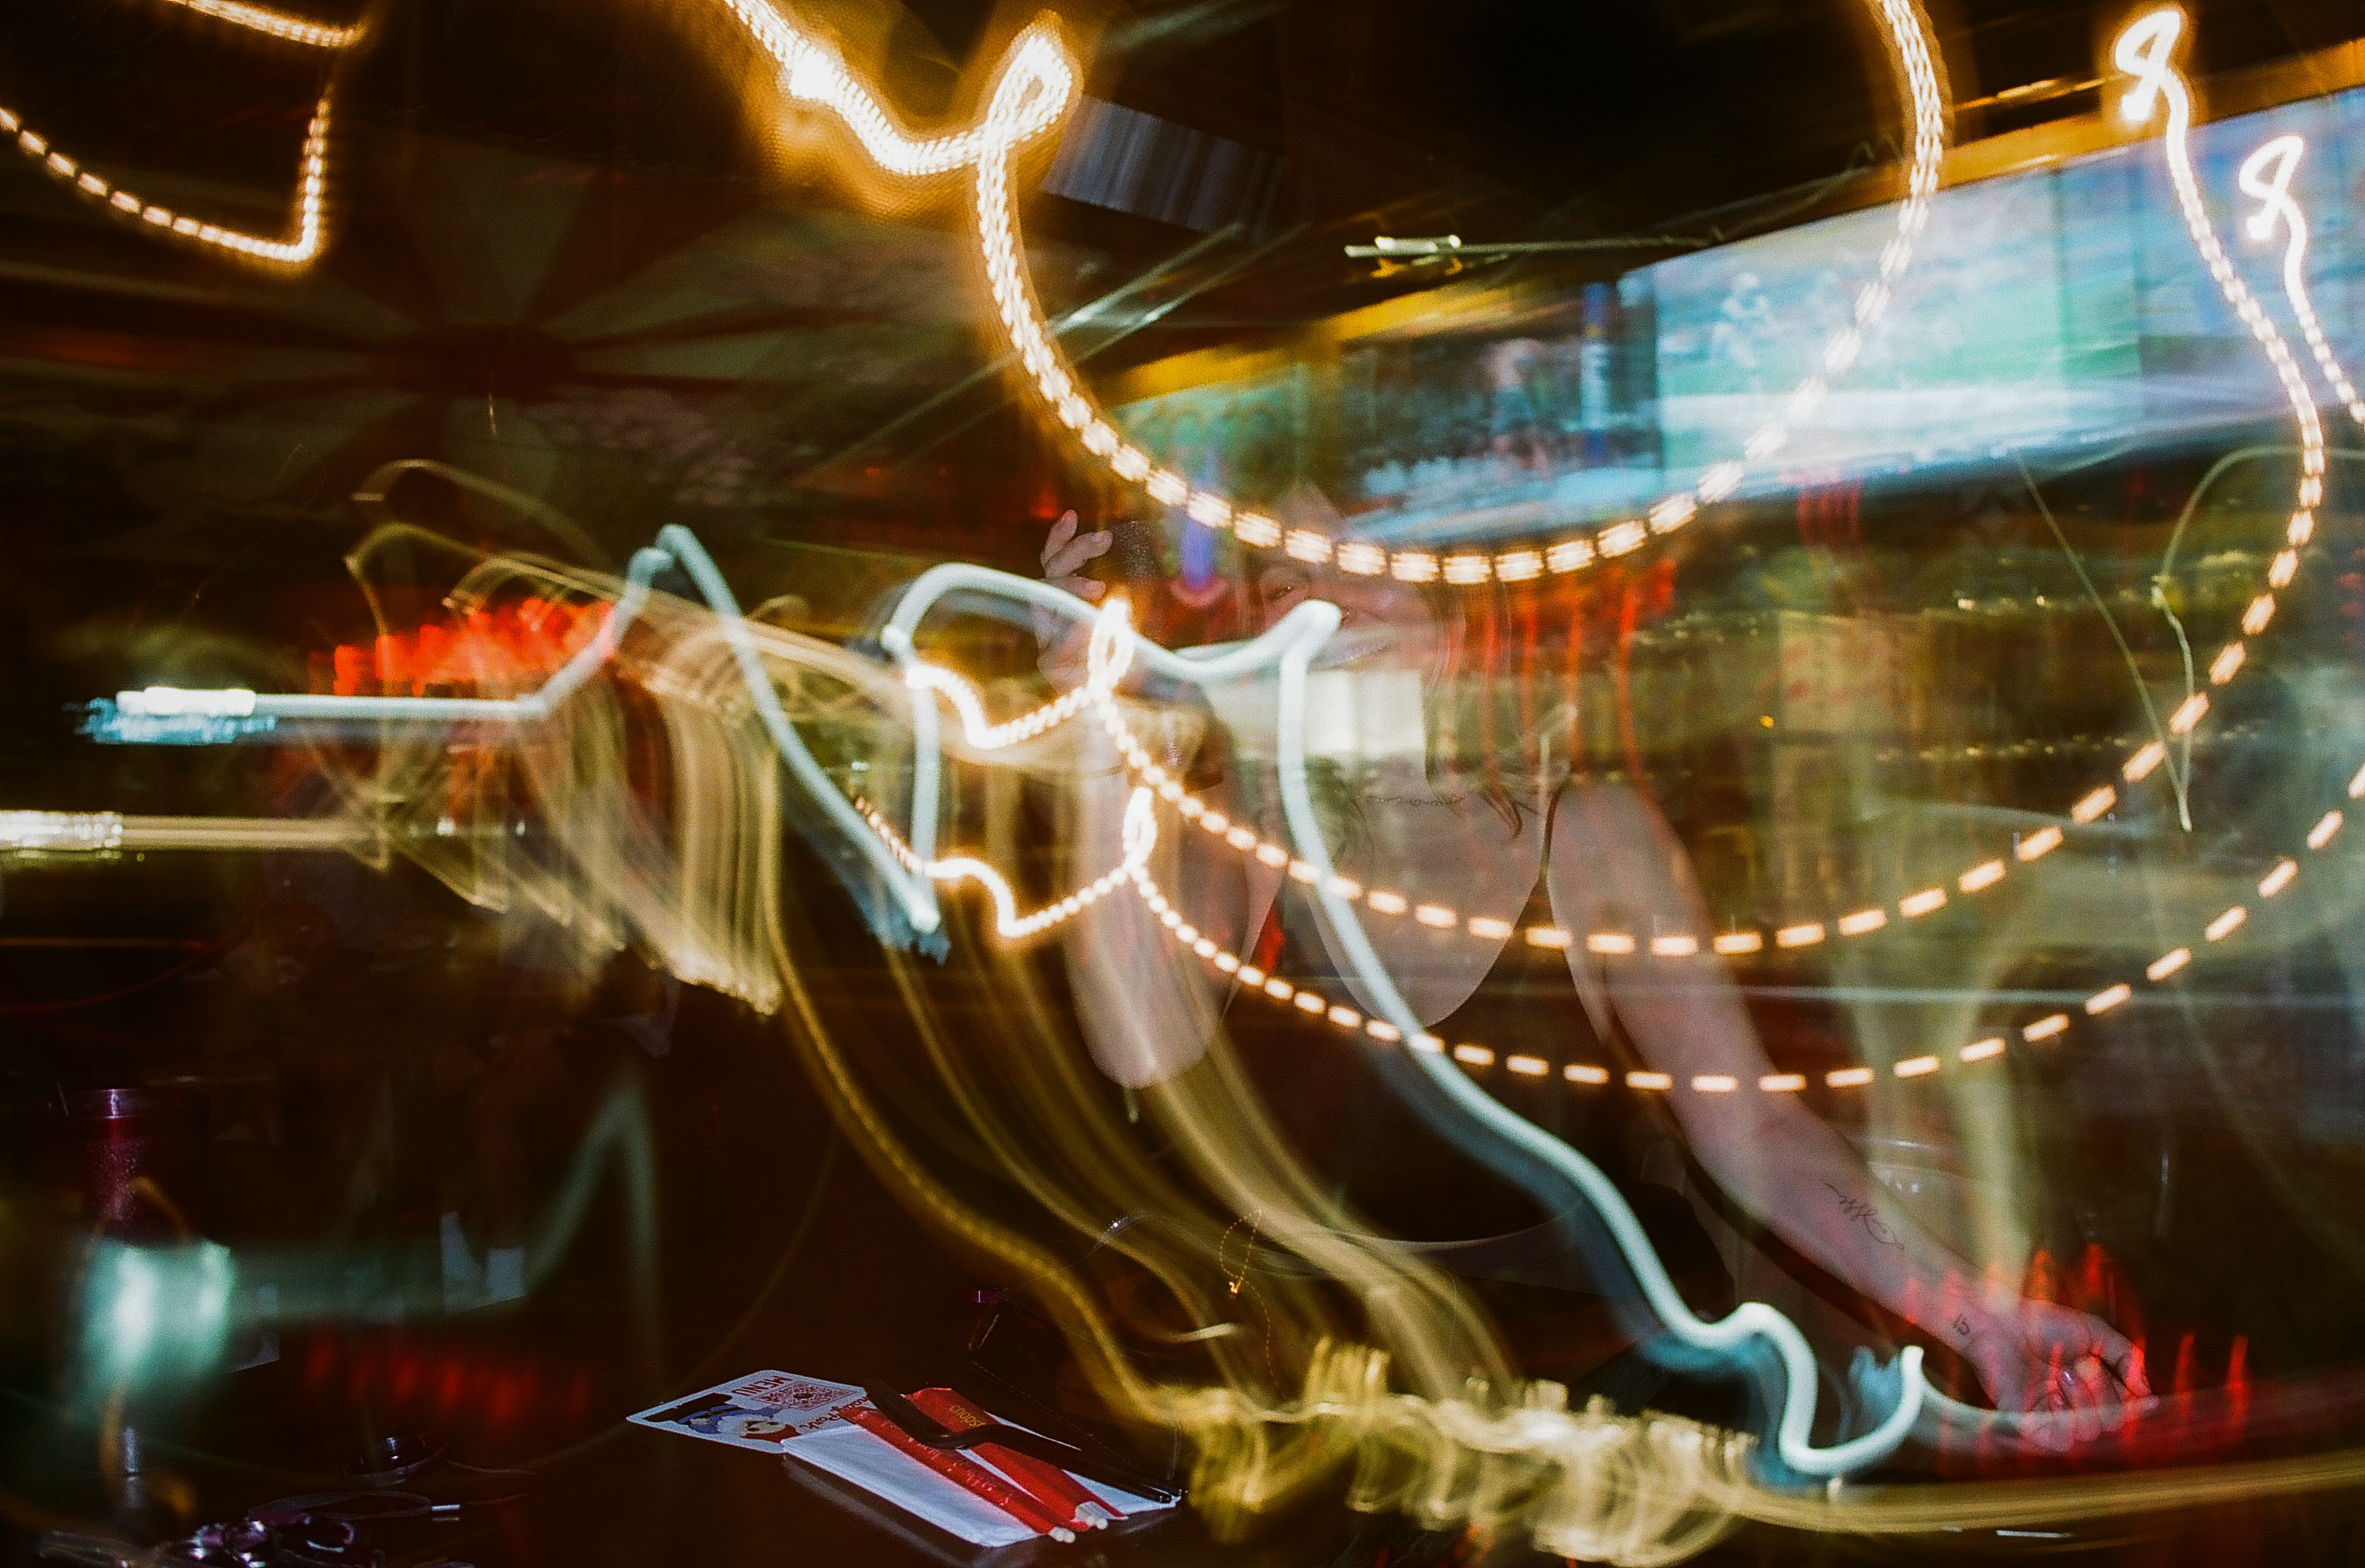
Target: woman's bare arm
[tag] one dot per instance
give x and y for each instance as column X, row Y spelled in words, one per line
column 1147, row 1008
column 1615, row 864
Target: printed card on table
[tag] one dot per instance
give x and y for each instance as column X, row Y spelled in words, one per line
column 799, row 1417
column 760, row 1411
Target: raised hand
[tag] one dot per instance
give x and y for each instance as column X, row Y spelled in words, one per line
column 1063, row 642
column 1065, row 552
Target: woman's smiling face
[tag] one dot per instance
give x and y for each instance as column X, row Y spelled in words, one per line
column 1381, row 620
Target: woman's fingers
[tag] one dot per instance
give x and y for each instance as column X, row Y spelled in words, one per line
column 2046, row 1426
column 1061, row 531
column 2011, row 1392
column 2124, row 1361
column 1064, row 641
column 2090, row 1393
column 2112, row 1363
column 1067, row 559
column 2066, row 1374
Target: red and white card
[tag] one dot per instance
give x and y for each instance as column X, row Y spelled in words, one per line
column 774, row 1412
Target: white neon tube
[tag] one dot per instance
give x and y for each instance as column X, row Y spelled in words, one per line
column 1291, row 646
column 2266, row 176
column 675, row 547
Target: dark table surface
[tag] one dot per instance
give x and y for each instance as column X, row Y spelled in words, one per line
column 773, row 1246
column 729, row 1228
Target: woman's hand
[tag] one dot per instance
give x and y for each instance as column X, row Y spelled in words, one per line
column 2039, row 1358
column 1063, row 641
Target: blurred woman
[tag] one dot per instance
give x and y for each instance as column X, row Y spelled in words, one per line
column 1452, row 804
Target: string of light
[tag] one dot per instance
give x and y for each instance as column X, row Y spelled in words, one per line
column 2267, row 176
column 976, row 729
column 2280, row 877
column 2142, row 52
column 1033, row 89
column 278, row 24
column 1022, row 94
column 307, row 231
column 2088, row 808
column 1034, row 86
column 1007, row 922
column 55, row 831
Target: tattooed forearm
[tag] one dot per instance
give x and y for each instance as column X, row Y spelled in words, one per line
column 1864, row 1214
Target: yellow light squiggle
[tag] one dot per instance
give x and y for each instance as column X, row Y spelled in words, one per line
column 1140, row 837
column 975, row 727
column 2144, row 49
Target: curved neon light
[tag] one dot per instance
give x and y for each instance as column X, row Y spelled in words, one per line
column 1292, row 645
column 2266, row 176
column 1036, row 83
column 277, row 24
column 1032, row 90
column 2145, row 50
column 308, row 234
column 1310, row 626
column 1140, row 837
column 675, row 545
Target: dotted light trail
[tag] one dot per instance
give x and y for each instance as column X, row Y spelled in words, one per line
column 1034, row 88
column 2143, row 50
column 277, row 24
column 2285, row 872
column 1139, row 839
column 975, row 728
column 2266, row 176
column 302, row 245
column 308, row 232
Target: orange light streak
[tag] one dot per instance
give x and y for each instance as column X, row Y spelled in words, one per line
column 309, row 230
